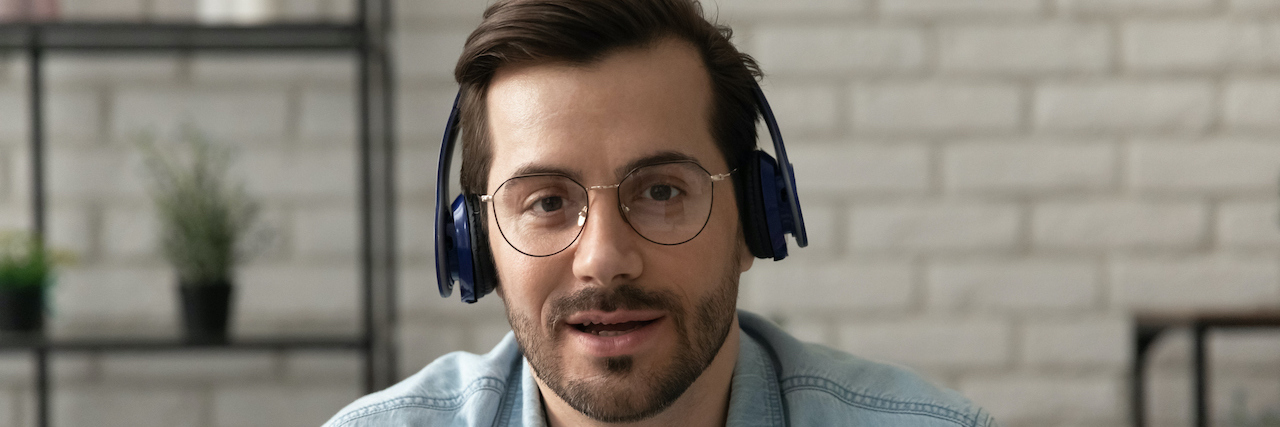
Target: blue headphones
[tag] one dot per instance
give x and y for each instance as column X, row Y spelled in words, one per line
column 768, row 206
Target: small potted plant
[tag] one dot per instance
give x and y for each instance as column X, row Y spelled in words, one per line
column 26, row 270
column 203, row 220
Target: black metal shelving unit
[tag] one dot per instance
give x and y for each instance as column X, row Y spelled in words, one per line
column 368, row 37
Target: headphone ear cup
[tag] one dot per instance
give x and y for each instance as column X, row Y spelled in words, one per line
column 751, row 208
column 486, row 275
column 462, row 248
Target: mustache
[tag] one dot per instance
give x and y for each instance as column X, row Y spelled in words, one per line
column 623, row 297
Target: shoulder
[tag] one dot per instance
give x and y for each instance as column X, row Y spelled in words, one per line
column 820, row 384
column 457, row 389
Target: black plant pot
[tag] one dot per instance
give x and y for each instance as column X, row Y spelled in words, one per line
column 206, row 309
column 22, row 309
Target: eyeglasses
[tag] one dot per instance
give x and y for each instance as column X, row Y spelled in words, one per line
column 543, row 214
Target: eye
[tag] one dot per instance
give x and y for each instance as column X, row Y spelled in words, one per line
column 548, row 204
column 661, row 192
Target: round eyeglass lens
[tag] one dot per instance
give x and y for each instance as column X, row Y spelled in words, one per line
column 540, row 215
column 667, row 203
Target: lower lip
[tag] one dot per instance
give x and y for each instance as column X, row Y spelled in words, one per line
column 618, row 345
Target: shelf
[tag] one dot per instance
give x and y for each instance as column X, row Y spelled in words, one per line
column 102, row 36
column 168, row 344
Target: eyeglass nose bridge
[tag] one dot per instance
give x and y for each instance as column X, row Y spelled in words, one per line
column 582, row 215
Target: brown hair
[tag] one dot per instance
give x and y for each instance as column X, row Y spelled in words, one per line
column 582, row 31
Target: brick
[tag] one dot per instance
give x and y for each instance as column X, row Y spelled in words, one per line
column 1022, row 167
column 841, row 170
column 1018, row 285
column 766, row 8
column 1118, row 7
column 806, row 289
column 1205, row 166
column 1254, row 6
column 1249, row 224
column 117, row 405
column 487, row 334
column 838, row 50
column 13, row 114
column 1252, row 105
column 1211, row 282
column 274, row 405
column 295, row 294
column 294, row 174
column 230, row 114
column 416, row 172
column 1024, row 49
column 174, row 10
column 1105, row 341
column 1124, row 106
column 431, row 53
column 326, row 233
column 326, row 68
column 104, row 68
column 950, row 226
column 415, row 231
column 809, row 330
column 462, row 12
column 68, row 229
column 73, row 115
column 946, row 9
column 77, row 10
column 334, row 367
column 89, row 173
column 1118, row 224
column 213, row 366
column 329, row 115
column 935, row 107
column 423, row 342
column 422, row 113
column 1201, row 45
column 1022, row 399
column 130, row 232
column 929, row 343
column 805, row 108
column 93, row 300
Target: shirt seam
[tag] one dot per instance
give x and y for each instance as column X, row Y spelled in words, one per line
column 437, row 403
column 876, row 403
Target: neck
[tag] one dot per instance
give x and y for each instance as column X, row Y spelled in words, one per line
column 704, row 404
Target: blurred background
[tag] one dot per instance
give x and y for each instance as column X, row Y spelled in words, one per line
column 993, row 189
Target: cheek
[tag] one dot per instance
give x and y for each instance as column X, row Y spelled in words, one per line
column 525, row 281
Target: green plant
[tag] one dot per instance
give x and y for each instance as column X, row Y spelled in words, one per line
column 203, row 217
column 25, row 262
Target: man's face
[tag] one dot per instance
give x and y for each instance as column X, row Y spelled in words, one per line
column 666, row 309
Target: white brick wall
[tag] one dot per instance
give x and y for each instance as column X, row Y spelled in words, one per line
column 992, row 187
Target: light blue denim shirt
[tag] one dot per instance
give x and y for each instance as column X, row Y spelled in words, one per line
column 778, row 381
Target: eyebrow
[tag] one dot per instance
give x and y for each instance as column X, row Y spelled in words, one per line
column 653, row 159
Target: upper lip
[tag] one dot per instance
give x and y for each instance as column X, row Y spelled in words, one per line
column 612, row 317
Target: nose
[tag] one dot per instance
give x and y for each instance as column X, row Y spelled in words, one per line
column 606, row 253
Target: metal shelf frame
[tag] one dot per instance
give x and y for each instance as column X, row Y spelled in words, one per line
column 368, row 36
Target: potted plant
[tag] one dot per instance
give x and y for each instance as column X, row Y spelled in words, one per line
column 26, row 270
column 203, row 220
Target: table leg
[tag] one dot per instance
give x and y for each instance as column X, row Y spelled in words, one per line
column 1144, row 337
column 42, row 387
column 1201, row 374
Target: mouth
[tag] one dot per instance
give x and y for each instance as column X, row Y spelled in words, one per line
column 610, row 329
column 615, row 333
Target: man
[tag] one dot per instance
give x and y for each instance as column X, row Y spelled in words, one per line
column 607, row 142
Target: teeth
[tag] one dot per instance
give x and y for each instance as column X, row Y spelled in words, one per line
column 609, row 333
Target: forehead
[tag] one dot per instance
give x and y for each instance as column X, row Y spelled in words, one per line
column 590, row 120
